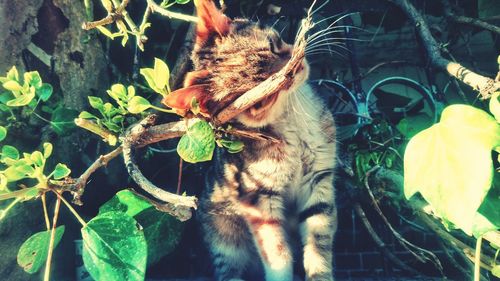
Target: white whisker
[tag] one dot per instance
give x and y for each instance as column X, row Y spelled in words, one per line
column 326, row 51
column 326, row 41
column 337, row 20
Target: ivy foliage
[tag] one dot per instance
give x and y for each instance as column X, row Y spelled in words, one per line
column 128, row 234
column 450, row 164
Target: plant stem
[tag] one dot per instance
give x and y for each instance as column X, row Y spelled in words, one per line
column 46, row 276
column 16, row 194
column 163, row 109
column 45, row 212
column 4, row 212
column 477, row 260
column 72, row 210
column 156, row 8
column 89, row 9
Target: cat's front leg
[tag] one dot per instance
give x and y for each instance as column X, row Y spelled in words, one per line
column 318, row 223
column 271, row 243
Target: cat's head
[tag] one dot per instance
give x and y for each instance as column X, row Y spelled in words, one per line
column 230, row 57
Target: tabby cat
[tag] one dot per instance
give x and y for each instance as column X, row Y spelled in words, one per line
column 255, row 199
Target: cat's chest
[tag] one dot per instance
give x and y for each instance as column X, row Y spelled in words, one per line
column 285, row 164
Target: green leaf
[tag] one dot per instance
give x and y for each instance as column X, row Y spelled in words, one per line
column 450, row 163
column 130, row 92
column 138, row 104
column 182, row 2
column 198, row 144
column 61, row 171
column 12, row 86
column 114, row 248
column 118, row 92
column 37, row 158
column 33, row 78
column 127, row 202
column 62, row 120
column 9, row 151
column 496, row 270
column 87, row 115
column 3, row 185
column 106, row 32
column 411, row 125
column 19, row 170
column 495, row 105
column 47, row 149
column 13, row 74
column 45, row 91
column 24, row 99
column 96, row 102
column 233, row 146
column 148, row 74
column 3, row 133
column 156, row 224
column 33, row 252
column 161, row 74
column 112, row 126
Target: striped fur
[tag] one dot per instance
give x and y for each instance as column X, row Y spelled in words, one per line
column 254, row 199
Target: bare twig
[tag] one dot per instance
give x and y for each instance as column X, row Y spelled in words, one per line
column 253, row 135
column 110, row 18
column 467, row 20
column 422, row 254
column 460, row 247
column 113, row 15
column 176, row 205
column 164, row 12
column 46, row 276
column 484, row 85
column 380, row 244
column 93, row 127
column 77, row 186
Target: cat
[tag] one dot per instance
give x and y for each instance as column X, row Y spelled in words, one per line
column 255, row 199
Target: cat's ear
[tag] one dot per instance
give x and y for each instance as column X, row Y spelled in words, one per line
column 182, row 99
column 211, row 20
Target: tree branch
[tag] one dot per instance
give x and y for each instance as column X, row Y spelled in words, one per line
column 467, row 20
column 77, row 186
column 176, row 205
column 484, row 85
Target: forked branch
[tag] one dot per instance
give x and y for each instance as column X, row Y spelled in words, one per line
column 484, row 85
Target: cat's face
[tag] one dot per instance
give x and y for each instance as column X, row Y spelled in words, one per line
column 233, row 56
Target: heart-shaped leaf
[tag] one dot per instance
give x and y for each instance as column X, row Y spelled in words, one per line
column 450, row 164
column 114, row 248
column 161, row 230
column 138, row 104
column 198, row 144
column 161, row 74
column 61, row 171
column 33, row 252
column 3, row 133
column 45, row 91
